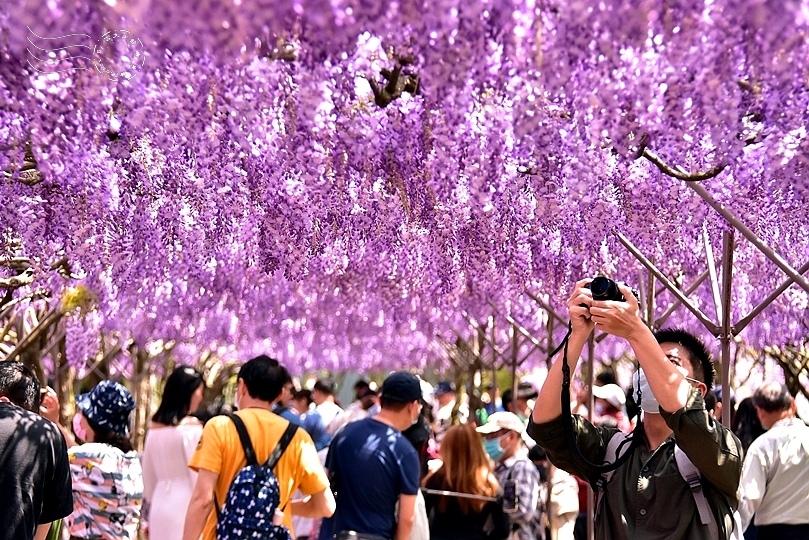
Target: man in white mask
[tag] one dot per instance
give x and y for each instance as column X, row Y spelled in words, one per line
column 647, row 496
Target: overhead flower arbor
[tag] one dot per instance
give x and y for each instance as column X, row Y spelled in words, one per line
column 340, row 182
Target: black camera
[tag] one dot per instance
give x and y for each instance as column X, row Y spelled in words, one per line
column 510, row 496
column 606, row 289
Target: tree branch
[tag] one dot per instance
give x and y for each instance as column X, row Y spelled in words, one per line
column 678, row 172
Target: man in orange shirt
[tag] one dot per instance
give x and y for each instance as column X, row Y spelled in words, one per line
column 219, row 455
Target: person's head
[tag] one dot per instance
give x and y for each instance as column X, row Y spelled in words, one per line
column 710, row 403
column 369, row 399
column 605, row 377
column 502, row 435
column 301, row 399
column 746, row 425
column 773, row 402
column 181, row 395
column 19, row 385
column 104, row 415
column 323, row 390
column 687, row 351
column 525, row 393
column 465, row 467
column 261, row 379
column 507, row 400
column 401, row 398
column 287, row 392
column 444, row 392
column 361, row 388
column 608, row 399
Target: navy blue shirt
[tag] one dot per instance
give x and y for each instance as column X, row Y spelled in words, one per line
column 373, row 464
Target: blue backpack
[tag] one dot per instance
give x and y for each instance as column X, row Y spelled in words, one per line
column 254, row 494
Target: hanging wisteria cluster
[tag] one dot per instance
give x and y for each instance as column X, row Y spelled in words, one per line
column 338, row 181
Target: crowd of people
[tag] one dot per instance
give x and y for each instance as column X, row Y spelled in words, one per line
column 409, row 461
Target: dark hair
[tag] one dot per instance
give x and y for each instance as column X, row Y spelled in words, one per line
column 325, row 386
column 393, row 405
column 772, row 397
column 105, row 436
column 506, row 399
column 180, row 386
column 362, row 383
column 746, row 424
column 303, row 393
column 19, row 384
column 710, row 400
column 264, row 378
column 700, row 358
column 606, row 376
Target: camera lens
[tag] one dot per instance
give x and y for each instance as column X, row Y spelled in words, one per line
column 603, row 288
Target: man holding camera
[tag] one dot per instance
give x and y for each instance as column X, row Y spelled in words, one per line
column 647, row 496
column 517, row 474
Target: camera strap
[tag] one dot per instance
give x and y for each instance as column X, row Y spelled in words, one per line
column 567, row 418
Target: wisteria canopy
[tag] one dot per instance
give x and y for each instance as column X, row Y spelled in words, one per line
column 337, row 182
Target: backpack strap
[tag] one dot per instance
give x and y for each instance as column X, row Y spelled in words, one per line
column 249, row 452
column 609, row 457
column 693, row 477
column 281, row 447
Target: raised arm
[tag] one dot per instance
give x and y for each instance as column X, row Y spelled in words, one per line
column 548, row 405
column 622, row 319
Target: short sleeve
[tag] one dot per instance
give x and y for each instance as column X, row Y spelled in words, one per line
column 209, row 452
column 311, row 475
column 57, row 500
column 409, row 464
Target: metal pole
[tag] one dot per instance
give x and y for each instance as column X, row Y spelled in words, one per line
column 712, row 271
column 690, row 289
column 726, row 336
column 750, row 235
column 711, row 326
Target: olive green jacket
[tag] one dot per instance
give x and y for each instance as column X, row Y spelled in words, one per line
column 647, row 497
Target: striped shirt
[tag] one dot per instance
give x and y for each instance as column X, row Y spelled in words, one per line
column 522, row 471
column 107, row 492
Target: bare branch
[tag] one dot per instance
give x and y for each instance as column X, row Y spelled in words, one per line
column 680, row 173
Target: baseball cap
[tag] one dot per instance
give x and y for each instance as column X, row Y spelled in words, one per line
column 612, row 393
column 108, row 406
column 502, row 420
column 401, row 386
column 443, row 387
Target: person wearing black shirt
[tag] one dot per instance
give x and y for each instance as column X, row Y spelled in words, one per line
column 35, row 486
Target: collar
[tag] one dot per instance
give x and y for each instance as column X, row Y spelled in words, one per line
column 784, row 422
column 520, row 455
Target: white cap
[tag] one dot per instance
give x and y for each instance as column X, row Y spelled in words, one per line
column 612, row 393
column 502, row 420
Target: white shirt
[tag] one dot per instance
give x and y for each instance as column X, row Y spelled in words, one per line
column 328, row 410
column 775, row 476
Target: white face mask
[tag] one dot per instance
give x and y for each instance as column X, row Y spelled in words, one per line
column 648, row 401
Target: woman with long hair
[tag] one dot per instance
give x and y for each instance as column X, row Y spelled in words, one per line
column 105, row 469
column 173, row 435
column 473, row 511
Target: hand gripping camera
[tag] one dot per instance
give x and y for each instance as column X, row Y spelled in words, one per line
column 606, row 289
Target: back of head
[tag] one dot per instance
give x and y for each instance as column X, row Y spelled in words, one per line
column 465, row 466
column 264, row 378
column 325, row 386
column 19, row 384
column 772, row 397
column 701, row 359
column 180, row 386
column 507, row 398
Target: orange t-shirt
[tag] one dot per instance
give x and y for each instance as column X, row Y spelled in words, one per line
column 220, row 451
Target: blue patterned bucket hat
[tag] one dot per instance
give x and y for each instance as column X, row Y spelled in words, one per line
column 108, row 406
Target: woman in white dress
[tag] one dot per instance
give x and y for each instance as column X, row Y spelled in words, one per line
column 170, row 442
